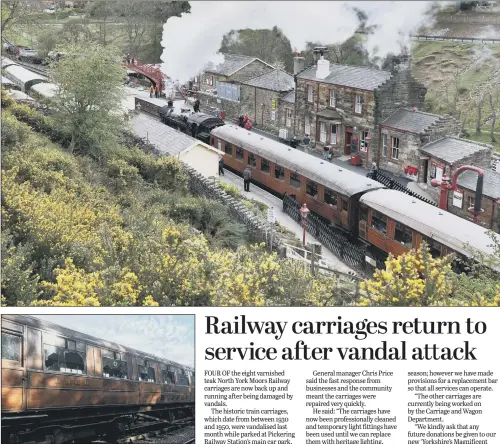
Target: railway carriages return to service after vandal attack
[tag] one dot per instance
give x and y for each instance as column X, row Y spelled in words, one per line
column 58, row 381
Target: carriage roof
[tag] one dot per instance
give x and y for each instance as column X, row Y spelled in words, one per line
column 63, row 331
column 323, row 172
column 441, row 226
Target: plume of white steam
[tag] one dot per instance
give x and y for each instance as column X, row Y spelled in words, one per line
column 192, row 41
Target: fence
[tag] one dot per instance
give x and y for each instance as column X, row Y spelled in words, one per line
column 394, row 185
column 352, row 254
column 455, row 39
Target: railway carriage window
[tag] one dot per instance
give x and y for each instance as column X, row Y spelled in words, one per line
column 168, row 375
column 403, row 235
column 183, row 379
column 252, row 161
column 379, row 222
column 114, row 365
column 239, row 153
column 363, row 213
column 312, row 188
column 228, row 148
column 295, row 180
column 345, row 204
column 434, row 247
column 279, row 172
column 11, row 347
column 330, row 197
column 61, row 355
column 146, row 373
column 264, row 165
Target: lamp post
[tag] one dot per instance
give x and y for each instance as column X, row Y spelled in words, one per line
column 304, row 212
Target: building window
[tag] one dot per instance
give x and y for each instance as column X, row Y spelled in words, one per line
column 312, row 188
column 471, row 200
column 11, row 347
column 114, row 365
column 358, row 108
column 384, row 145
column 295, row 180
column 228, row 148
column 345, row 204
column 279, row 172
column 362, row 143
column 403, row 235
column 395, row 148
column 168, row 374
column 264, row 165
column 307, row 125
column 379, row 222
column 64, row 355
column 210, row 80
column 288, row 118
column 239, row 154
column 146, row 372
column 322, row 132
column 333, row 134
column 330, row 197
column 228, row 91
column 310, row 95
column 333, row 98
column 251, row 160
column 363, row 213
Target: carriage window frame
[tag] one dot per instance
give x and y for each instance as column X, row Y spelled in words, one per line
column 433, row 246
column 58, row 348
column 13, row 362
column 279, row 173
column 363, row 213
column 265, row 165
column 294, row 177
column 169, row 373
column 405, row 230
column 117, row 356
column 239, row 154
column 376, row 218
column 330, row 197
column 252, row 160
column 148, row 372
column 228, row 149
column 312, row 188
column 183, row 378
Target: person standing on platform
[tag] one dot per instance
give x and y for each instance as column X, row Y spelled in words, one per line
column 247, row 175
column 221, row 165
column 151, row 92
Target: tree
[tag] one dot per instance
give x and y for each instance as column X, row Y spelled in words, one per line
column 269, row 45
column 90, row 78
column 16, row 12
column 412, row 279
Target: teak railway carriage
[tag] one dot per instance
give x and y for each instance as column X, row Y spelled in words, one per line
column 386, row 219
column 68, row 385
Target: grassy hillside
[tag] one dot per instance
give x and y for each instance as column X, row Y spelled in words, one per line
column 454, row 71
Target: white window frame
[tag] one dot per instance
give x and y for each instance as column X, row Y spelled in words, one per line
column 310, row 94
column 273, row 115
column 322, row 132
column 307, row 125
column 288, row 117
column 384, row 145
column 210, row 80
column 362, row 141
column 333, row 98
column 333, row 135
column 395, row 149
column 358, row 109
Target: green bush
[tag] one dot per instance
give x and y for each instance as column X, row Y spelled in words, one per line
column 13, row 132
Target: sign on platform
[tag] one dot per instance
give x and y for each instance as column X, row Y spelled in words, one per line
column 271, row 218
column 458, row 199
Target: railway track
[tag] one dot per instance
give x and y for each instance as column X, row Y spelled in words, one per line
column 34, row 67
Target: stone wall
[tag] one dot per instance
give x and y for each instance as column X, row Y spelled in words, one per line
column 408, row 151
column 488, row 218
column 209, row 102
column 254, row 69
column 445, row 126
column 282, row 107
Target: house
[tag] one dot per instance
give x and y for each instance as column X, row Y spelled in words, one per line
column 220, row 85
column 464, row 197
column 404, row 132
column 343, row 106
column 261, row 97
column 168, row 141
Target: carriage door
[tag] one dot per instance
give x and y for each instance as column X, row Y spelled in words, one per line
column 13, row 367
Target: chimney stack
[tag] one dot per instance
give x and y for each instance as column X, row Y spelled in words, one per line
column 323, row 65
column 299, row 64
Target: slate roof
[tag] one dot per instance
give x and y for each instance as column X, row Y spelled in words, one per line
column 358, row 77
column 405, row 119
column 289, row 97
column 276, row 80
column 491, row 183
column 166, row 139
column 452, row 149
column 232, row 63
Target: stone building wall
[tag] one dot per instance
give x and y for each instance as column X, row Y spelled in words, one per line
column 488, row 218
column 409, row 155
column 282, row 107
column 254, row 69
